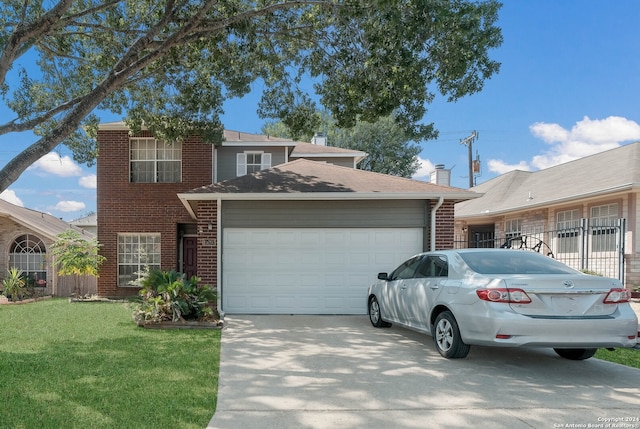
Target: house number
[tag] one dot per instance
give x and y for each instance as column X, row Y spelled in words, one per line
column 210, row 242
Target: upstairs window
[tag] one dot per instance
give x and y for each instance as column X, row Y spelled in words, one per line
column 154, row 161
column 250, row 162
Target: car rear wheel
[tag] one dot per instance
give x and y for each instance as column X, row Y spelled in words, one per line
column 446, row 335
column 576, row 354
column 374, row 314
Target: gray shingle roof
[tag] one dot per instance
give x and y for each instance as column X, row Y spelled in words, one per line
column 232, row 137
column 239, row 136
column 310, row 177
column 43, row 223
column 305, row 149
column 606, row 172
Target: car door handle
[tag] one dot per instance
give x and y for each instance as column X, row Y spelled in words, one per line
column 434, row 286
column 403, row 287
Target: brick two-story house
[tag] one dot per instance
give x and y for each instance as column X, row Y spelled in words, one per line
column 277, row 226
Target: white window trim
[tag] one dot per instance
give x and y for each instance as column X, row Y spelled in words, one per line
column 118, row 254
column 241, row 161
column 513, row 228
column 605, row 240
column 155, row 159
column 567, row 225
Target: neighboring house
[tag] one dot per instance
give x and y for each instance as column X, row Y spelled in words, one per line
column 25, row 238
column 584, row 212
column 277, row 226
column 87, row 223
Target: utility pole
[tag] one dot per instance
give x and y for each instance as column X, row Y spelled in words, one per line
column 468, row 142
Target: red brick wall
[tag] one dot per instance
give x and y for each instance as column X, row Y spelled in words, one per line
column 208, row 243
column 142, row 207
column 445, row 226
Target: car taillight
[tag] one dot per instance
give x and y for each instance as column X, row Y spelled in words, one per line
column 617, row 296
column 512, row 296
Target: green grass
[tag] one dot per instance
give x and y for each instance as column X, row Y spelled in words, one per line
column 628, row 357
column 87, row 365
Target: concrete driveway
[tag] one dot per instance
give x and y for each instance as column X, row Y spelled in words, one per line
column 340, row 372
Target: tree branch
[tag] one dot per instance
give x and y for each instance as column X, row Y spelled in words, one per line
column 19, row 41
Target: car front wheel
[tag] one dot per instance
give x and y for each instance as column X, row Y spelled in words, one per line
column 374, row 314
column 446, row 335
column 576, row 354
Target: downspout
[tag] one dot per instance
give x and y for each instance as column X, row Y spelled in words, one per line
column 433, row 223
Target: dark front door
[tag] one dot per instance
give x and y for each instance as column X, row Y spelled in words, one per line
column 190, row 256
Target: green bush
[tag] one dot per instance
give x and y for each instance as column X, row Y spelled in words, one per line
column 14, row 285
column 169, row 296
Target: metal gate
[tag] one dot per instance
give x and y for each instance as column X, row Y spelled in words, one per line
column 597, row 249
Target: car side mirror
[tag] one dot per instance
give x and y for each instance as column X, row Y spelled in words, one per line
column 383, row 276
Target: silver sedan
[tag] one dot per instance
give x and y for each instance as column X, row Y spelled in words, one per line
column 501, row 297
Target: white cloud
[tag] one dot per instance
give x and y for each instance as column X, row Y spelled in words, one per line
column 60, row 166
column 70, row 206
column 425, row 169
column 550, row 133
column 500, row 167
column 585, row 138
column 90, row 181
column 11, row 197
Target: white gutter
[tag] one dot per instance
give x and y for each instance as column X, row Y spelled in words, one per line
column 279, row 196
column 433, row 223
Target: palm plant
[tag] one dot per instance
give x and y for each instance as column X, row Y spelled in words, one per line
column 14, row 285
column 168, row 295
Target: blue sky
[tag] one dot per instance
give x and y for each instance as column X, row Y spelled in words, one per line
column 568, row 87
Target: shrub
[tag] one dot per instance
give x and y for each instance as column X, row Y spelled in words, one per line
column 14, row 285
column 169, row 296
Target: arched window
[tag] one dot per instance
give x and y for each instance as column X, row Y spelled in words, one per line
column 28, row 254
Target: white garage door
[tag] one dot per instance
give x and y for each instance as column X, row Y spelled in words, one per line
column 308, row 271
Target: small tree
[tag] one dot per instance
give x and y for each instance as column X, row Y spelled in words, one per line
column 75, row 255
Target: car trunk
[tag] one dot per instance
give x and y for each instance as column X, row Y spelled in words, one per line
column 564, row 296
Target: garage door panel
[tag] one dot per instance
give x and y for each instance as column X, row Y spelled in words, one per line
column 308, row 271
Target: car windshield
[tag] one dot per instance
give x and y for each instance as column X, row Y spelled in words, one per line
column 513, row 262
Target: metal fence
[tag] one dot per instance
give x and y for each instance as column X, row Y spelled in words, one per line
column 597, row 248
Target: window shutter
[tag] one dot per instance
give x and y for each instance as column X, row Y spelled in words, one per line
column 266, row 161
column 241, row 164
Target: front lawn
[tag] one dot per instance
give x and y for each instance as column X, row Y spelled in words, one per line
column 628, row 357
column 87, row 365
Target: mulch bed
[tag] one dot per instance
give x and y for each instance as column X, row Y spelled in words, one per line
column 187, row 324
